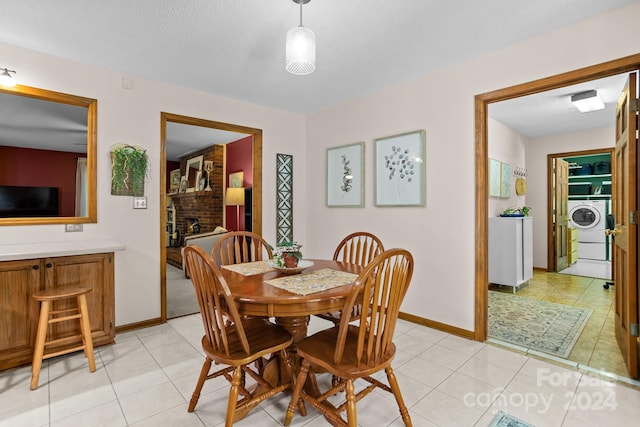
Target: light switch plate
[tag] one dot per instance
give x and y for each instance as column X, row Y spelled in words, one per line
column 140, row 202
column 70, row 228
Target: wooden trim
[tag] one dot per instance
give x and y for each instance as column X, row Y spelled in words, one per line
column 436, row 325
column 257, row 184
column 138, row 325
column 482, row 101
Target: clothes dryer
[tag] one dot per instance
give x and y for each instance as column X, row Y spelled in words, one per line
column 589, row 217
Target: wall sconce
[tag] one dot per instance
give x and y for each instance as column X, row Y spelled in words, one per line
column 587, row 101
column 6, row 79
column 235, row 197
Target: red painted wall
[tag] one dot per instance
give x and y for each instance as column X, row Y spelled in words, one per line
column 42, row 168
column 239, row 158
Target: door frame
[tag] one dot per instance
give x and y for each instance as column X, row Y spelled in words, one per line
column 256, row 201
column 482, row 101
column 551, row 259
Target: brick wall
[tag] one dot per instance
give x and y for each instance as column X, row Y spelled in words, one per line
column 207, row 206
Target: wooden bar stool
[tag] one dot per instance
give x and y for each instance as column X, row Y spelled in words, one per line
column 48, row 316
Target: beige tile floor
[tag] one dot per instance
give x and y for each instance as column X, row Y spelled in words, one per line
column 147, row 378
column 596, row 348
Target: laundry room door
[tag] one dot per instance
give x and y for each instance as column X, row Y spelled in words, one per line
column 561, row 213
column 625, row 210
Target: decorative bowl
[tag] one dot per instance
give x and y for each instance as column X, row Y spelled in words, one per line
column 302, row 265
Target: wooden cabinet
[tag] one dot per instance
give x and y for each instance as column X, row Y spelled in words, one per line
column 572, row 236
column 19, row 313
column 510, row 251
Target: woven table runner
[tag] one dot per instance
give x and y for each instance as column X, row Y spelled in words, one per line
column 250, row 268
column 315, row 281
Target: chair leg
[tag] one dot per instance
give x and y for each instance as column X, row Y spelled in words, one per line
column 352, row 419
column 284, row 355
column 204, row 372
column 302, row 376
column 233, row 395
column 393, row 382
column 41, row 336
column 85, row 329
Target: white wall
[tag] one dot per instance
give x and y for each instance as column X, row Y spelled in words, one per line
column 133, row 116
column 508, row 146
column 537, row 151
column 441, row 235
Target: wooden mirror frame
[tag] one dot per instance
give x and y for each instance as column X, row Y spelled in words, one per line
column 92, row 113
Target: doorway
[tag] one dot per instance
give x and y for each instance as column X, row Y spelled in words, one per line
column 482, row 102
column 222, row 133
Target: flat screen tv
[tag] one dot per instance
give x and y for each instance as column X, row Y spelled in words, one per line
column 20, row 202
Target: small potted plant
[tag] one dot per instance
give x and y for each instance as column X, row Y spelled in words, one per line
column 288, row 254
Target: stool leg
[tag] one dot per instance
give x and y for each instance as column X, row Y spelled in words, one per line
column 85, row 328
column 41, row 336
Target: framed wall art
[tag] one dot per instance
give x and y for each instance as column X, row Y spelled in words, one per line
column 400, row 169
column 236, row 179
column 345, row 176
column 505, row 180
column 175, row 181
column 494, row 178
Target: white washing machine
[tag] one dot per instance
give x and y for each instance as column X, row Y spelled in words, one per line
column 589, row 217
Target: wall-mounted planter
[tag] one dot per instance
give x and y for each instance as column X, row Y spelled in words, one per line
column 129, row 165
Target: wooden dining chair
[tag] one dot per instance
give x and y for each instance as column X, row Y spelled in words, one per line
column 356, row 248
column 241, row 246
column 233, row 340
column 353, row 352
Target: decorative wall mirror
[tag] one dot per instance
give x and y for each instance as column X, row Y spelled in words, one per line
column 36, row 126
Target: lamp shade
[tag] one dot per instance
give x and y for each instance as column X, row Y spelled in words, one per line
column 301, row 51
column 235, row 197
column 587, row 101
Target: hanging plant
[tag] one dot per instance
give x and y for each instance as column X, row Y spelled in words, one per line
column 128, row 170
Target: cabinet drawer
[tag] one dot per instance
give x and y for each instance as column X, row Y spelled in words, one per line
column 573, row 256
column 573, row 234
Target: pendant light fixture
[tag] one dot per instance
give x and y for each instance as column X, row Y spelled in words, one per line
column 6, row 79
column 301, row 48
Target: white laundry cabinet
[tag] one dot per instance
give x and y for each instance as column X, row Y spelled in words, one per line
column 510, row 250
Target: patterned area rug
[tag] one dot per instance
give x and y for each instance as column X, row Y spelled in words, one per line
column 506, row 420
column 539, row 325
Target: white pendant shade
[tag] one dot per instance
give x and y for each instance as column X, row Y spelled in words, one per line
column 301, row 51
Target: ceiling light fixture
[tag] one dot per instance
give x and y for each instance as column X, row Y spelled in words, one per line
column 587, row 101
column 6, row 79
column 301, row 48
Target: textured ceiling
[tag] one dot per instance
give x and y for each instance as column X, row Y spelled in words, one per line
column 235, row 48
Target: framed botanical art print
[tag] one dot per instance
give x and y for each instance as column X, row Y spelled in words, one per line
column 494, row 177
column 345, row 176
column 400, row 169
column 505, row 180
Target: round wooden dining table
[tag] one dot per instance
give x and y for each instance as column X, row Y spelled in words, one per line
column 254, row 297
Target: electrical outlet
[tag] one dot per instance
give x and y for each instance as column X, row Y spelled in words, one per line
column 70, row 228
column 140, row 202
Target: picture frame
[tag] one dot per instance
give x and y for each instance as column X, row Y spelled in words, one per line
column 400, row 169
column 194, row 166
column 174, row 181
column 202, row 181
column 183, row 184
column 236, row 179
column 495, row 171
column 345, row 176
column 505, row 180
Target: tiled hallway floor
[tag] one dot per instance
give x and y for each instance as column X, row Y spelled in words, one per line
column 147, row 378
column 596, row 348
